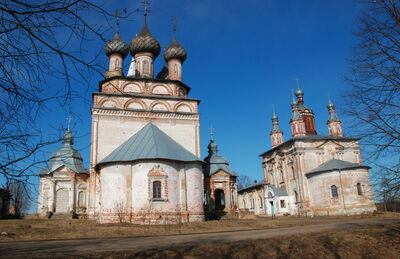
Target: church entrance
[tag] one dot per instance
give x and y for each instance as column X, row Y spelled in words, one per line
column 272, row 208
column 219, row 199
column 62, row 200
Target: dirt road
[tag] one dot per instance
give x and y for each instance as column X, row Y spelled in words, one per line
column 79, row 246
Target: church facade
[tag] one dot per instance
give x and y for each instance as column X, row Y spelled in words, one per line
column 310, row 174
column 145, row 160
column 145, row 164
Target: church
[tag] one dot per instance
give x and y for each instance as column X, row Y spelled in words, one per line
column 145, row 164
column 310, row 174
column 145, row 161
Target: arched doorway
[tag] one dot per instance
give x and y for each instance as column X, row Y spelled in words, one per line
column 62, row 200
column 219, row 199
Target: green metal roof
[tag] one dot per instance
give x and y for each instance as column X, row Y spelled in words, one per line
column 66, row 155
column 335, row 164
column 150, row 143
column 215, row 162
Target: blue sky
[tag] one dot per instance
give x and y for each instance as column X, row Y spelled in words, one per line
column 243, row 56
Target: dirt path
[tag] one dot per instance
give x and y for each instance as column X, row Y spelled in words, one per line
column 79, row 246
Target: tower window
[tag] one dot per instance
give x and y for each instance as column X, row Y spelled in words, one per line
column 156, row 190
column 359, row 189
column 334, row 192
column 146, row 67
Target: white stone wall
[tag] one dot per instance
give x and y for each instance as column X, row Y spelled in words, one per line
column 63, row 182
column 348, row 200
column 128, row 189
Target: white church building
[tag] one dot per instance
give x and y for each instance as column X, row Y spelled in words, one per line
column 145, row 161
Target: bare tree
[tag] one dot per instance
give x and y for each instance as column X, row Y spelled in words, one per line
column 40, row 42
column 244, row 181
column 20, row 201
column 373, row 101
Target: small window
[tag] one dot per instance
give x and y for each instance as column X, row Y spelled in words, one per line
column 146, row 67
column 261, row 203
column 359, row 189
column 283, row 205
column 252, row 203
column 156, row 190
column 334, row 192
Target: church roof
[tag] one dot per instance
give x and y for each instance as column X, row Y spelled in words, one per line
column 277, row 191
column 335, row 164
column 150, row 143
column 215, row 162
column 66, row 155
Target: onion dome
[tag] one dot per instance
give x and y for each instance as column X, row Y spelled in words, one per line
column 116, row 45
column 175, row 51
column 66, row 155
column 330, row 105
column 145, row 42
column 299, row 92
column 215, row 162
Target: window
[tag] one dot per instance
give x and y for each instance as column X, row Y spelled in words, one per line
column 296, row 198
column 81, row 199
column 359, row 189
column 334, row 192
column 282, row 177
column 283, row 204
column 156, row 190
column 146, row 67
column 252, row 203
column 261, row 203
column 244, row 203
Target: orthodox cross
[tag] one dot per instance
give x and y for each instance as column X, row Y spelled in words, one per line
column 212, row 133
column 69, row 119
column 297, row 82
column 174, row 26
column 117, row 17
column 145, row 10
column 117, row 21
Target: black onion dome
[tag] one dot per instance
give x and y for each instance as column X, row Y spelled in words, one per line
column 145, row 42
column 116, row 45
column 175, row 51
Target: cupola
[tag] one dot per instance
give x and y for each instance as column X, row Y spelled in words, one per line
column 145, row 49
column 175, row 55
column 116, row 50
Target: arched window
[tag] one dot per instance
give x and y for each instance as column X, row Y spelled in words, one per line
column 359, row 189
column 334, row 192
column 146, row 67
column 81, row 199
column 156, row 190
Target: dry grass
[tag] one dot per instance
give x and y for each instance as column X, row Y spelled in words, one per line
column 366, row 242
column 42, row 229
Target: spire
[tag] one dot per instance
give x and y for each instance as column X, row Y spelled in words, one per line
column 334, row 123
column 212, row 146
column 276, row 133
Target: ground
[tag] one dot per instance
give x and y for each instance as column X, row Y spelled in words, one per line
column 339, row 237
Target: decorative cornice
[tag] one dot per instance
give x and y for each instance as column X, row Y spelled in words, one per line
column 145, row 114
column 143, row 96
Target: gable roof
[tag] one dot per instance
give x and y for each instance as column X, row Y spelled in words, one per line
column 335, row 164
column 150, row 143
column 277, row 191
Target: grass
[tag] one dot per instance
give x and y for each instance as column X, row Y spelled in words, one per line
column 365, row 242
column 43, row 229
